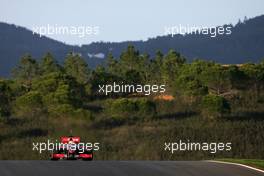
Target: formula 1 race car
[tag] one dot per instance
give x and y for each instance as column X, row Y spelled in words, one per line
column 70, row 149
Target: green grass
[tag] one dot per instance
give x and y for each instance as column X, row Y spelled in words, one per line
column 257, row 163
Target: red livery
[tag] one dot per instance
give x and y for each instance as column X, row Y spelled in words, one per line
column 70, row 148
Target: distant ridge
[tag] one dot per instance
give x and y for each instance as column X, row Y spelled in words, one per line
column 245, row 44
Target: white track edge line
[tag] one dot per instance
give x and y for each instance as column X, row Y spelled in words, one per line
column 243, row 165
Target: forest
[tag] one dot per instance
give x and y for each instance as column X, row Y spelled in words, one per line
column 204, row 101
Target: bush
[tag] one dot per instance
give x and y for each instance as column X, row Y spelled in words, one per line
column 130, row 107
column 4, row 114
column 121, row 106
column 57, row 88
column 84, row 114
column 5, row 96
column 67, row 110
column 146, row 107
column 61, row 110
column 29, row 104
column 214, row 106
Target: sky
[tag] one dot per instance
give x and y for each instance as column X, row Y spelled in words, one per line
column 122, row 20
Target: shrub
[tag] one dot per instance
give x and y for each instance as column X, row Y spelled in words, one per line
column 130, row 107
column 58, row 88
column 5, row 96
column 121, row 106
column 61, row 110
column 146, row 107
column 29, row 104
column 67, row 110
column 214, row 106
column 4, row 113
column 84, row 114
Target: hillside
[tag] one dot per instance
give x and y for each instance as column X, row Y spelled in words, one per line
column 245, row 44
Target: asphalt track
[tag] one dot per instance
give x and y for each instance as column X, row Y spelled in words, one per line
column 122, row 168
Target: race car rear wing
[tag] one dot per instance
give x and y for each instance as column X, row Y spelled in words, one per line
column 66, row 140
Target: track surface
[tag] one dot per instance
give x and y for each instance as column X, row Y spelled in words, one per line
column 122, row 168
